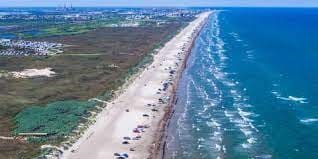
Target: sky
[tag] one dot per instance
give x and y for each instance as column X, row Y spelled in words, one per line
column 150, row 3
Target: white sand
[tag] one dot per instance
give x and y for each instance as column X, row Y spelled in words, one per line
column 105, row 137
column 29, row 73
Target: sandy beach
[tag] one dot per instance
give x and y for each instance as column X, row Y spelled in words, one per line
column 130, row 123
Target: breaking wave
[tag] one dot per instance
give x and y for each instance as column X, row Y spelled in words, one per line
column 301, row 100
column 309, row 120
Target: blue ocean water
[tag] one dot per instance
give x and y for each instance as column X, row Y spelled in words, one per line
column 250, row 88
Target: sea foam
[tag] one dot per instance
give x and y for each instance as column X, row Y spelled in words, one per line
column 309, row 120
column 301, row 100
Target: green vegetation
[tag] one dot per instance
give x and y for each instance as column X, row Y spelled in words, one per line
column 36, row 29
column 116, row 53
column 57, row 119
column 147, row 58
column 67, row 30
column 70, row 28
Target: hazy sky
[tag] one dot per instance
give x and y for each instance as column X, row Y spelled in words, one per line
column 185, row 3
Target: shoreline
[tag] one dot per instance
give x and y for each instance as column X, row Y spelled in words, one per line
column 136, row 113
column 158, row 151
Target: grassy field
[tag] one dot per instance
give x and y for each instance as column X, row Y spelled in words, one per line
column 29, row 29
column 37, row 28
column 94, row 63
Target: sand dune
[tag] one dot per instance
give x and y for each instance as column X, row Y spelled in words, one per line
column 29, row 73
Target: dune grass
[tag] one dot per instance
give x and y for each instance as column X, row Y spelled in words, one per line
column 57, row 119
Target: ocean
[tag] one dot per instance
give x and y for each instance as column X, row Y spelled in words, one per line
column 250, row 88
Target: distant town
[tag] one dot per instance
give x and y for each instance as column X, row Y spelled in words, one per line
column 80, row 14
column 26, row 48
column 19, row 26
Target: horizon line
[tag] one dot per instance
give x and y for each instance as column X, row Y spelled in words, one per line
column 177, row 6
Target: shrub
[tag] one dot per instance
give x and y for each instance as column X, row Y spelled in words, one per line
column 58, row 119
